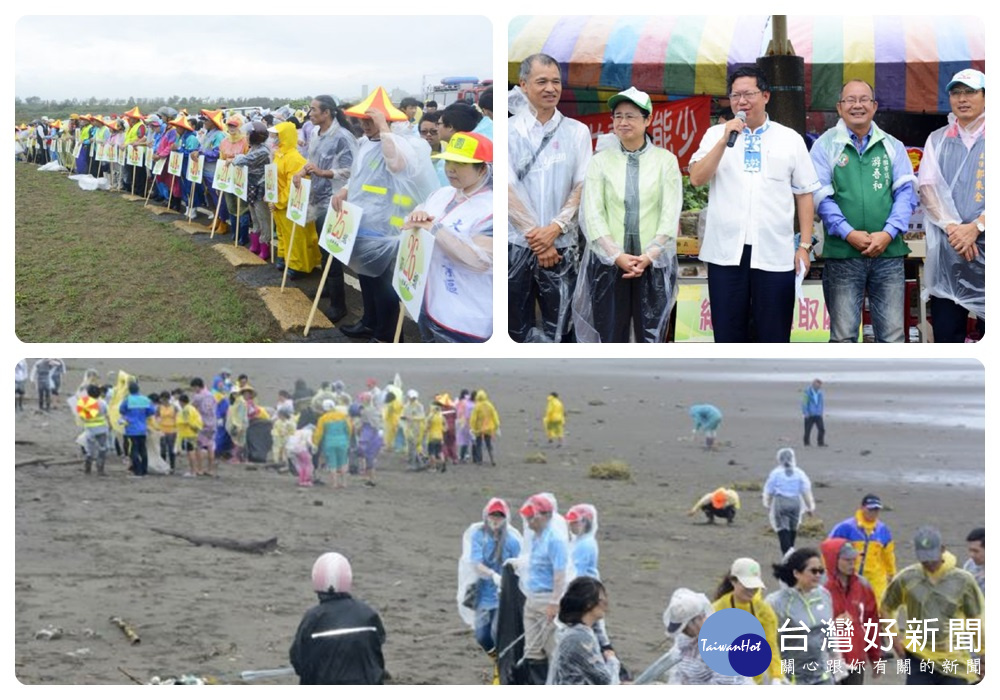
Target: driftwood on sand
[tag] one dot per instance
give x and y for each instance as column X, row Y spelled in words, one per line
column 47, row 462
column 260, row 547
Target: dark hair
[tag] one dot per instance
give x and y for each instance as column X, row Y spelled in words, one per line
column 748, row 72
column 294, row 121
column 463, row 394
column 198, row 382
column 133, row 387
column 725, row 586
column 257, row 136
column 460, row 117
column 430, row 103
column 486, row 99
column 243, row 376
column 540, row 58
column 582, row 595
column 165, row 395
column 796, row 561
column 977, row 535
column 93, row 391
column 432, row 117
column 268, row 119
column 554, row 394
column 327, row 103
column 154, row 398
column 409, row 102
column 184, row 398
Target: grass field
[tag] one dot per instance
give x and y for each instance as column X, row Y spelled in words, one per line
column 92, row 267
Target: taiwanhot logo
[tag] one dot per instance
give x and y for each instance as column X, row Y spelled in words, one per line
column 731, row 642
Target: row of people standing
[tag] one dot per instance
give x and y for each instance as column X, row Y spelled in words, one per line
column 626, row 201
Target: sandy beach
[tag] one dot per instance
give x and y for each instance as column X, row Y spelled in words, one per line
column 913, row 432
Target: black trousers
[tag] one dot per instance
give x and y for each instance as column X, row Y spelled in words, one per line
column 623, row 305
column 551, row 289
column 950, row 321
column 136, row 446
column 810, row 421
column 381, row 305
column 333, row 288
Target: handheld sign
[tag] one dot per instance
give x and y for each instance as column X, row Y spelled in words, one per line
column 271, row 183
column 100, row 154
column 223, row 173
column 77, row 149
column 340, row 231
column 149, row 157
column 194, row 170
column 298, row 202
column 176, row 163
column 239, row 181
column 120, row 154
column 158, row 166
column 412, row 262
column 134, row 155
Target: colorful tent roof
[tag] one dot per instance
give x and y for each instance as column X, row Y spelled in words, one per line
column 909, row 59
column 379, row 100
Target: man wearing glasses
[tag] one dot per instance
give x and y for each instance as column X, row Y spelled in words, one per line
column 865, row 202
column 758, row 182
column 952, row 186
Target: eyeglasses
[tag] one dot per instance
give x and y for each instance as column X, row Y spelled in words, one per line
column 817, row 571
column 962, row 92
column 737, row 96
column 863, row 101
column 428, row 132
column 626, row 117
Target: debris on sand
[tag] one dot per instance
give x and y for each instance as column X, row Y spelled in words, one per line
column 747, row 486
column 613, row 470
column 536, row 458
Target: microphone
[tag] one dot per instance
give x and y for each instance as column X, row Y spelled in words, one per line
column 742, row 116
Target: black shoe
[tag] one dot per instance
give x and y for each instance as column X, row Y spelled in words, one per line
column 357, row 330
column 336, row 314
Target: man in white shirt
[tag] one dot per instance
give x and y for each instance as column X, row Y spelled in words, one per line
column 760, row 177
column 548, row 161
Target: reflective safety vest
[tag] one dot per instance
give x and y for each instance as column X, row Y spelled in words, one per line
column 89, row 410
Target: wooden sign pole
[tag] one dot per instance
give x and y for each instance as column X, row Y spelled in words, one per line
column 271, row 242
column 319, row 293
column 288, row 254
column 399, row 322
column 216, row 217
column 236, row 236
column 170, row 196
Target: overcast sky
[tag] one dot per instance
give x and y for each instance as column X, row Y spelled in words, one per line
column 60, row 57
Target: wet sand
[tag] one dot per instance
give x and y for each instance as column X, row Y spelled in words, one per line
column 85, row 551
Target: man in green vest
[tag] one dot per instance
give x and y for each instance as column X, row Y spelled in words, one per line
column 867, row 195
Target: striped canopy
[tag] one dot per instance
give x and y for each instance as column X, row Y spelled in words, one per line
column 908, row 59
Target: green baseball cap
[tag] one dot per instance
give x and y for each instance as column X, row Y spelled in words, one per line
column 636, row 97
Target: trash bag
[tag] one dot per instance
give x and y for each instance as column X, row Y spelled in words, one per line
column 91, row 183
column 259, row 441
column 52, row 167
column 510, row 630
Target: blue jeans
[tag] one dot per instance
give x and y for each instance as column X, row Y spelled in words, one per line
column 844, row 285
column 486, row 625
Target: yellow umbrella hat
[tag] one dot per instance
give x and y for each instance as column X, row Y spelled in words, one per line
column 379, row 100
column 134, row 113
column 216, row 117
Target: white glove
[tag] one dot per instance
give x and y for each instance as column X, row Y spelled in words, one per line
column 496, row 579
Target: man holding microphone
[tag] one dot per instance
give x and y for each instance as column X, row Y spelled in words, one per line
column 760, row 177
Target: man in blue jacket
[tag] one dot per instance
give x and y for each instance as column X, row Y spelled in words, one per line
column 135, row 410
column 812, row 412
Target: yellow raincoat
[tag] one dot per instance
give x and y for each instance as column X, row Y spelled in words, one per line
column 393, row 410
column 484, row 419
column 950, row 593
column 555, row 418
column 304, row 255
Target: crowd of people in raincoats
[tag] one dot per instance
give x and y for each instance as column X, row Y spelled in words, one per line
column 316, row 434
column 409, row 167
column 536, row 604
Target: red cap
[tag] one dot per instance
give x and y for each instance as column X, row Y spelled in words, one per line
column 497, row 505
column 536, row 505
column 580, row 512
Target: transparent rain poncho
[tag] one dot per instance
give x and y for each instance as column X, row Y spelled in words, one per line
column 459, row 293
column 583, row 549
column 467, row 572
column 783, row 477
column 559, row 529
column 631, row 205
column 544, row 187
column 578, row 659
column 952, row 182
column 389, row 177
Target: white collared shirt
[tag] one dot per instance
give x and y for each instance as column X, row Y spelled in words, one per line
column 756, row 208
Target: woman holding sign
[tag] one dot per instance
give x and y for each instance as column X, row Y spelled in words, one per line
column 303, row 256
column 458, row 299
column 255, row 160
column 234, row 144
